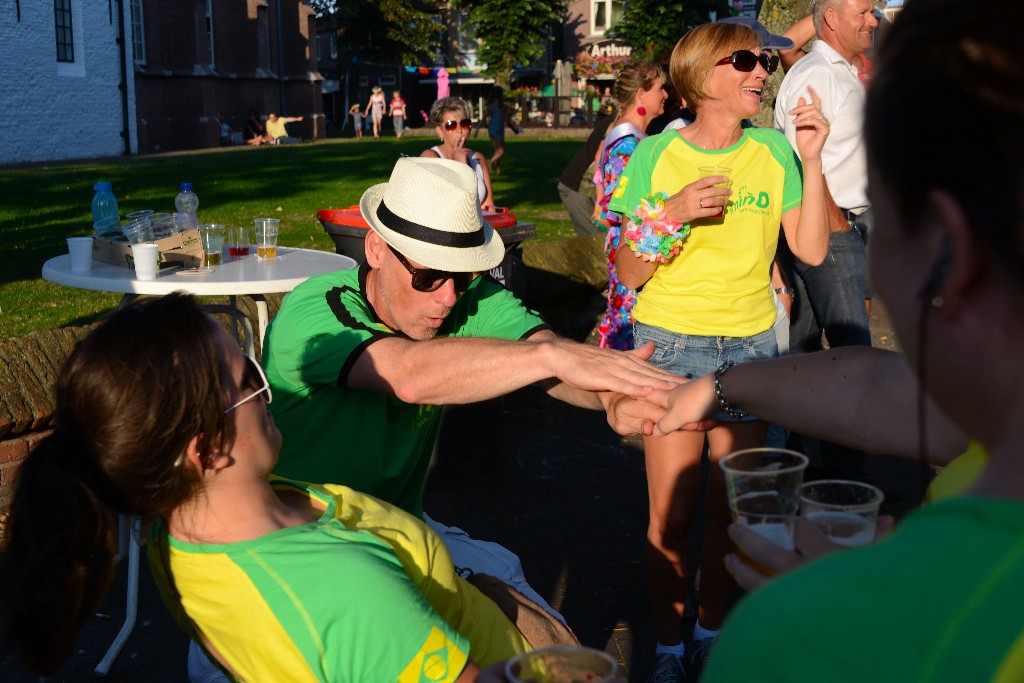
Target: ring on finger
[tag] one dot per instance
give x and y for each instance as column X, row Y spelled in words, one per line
column 701, row 202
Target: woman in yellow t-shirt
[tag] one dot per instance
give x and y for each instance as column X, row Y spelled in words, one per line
column 702, row 249
column 160, row 415
column 938, row 599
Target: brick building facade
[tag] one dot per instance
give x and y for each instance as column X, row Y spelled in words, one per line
column 84, row 79
column 201, row 58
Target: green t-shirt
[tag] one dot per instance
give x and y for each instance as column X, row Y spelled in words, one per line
column 718, row 284
column 357, row 595
column 333, row 434
column 939, row 600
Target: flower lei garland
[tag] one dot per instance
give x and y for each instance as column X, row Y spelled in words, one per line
column 652, row 236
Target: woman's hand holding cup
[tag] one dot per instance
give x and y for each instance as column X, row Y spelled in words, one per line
column 706, row 197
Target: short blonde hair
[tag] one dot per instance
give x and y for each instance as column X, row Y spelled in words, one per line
column 694, row 56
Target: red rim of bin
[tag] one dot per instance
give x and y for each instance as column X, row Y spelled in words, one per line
column 501, row 217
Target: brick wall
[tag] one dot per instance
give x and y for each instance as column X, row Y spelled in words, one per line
column 28, row 370
column 29, row 367
column 54, row 110
column 184, row 82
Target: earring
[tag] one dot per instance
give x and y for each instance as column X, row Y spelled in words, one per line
column 641, row 111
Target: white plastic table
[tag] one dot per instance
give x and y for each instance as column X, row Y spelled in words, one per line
column 246, row 276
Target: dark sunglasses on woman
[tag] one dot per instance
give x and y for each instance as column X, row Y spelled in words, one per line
column 429, row 280
column 452, row 124
column 745, row 60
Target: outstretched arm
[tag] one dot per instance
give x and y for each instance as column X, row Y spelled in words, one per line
column 453, row 370
column 861, row 397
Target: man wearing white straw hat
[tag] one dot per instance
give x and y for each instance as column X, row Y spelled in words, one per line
column 362, row 361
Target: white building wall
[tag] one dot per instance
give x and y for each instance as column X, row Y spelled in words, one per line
column 53, row 110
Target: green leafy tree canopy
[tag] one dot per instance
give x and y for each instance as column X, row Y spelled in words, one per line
column 511, row 33
column 387, row 30
column 653, row 27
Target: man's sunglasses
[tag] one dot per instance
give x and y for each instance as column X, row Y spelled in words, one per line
column 745, row 60
column 256, row 379
column 452, row 124
column 429, row 280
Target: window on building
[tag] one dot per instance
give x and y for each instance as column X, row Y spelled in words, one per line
column 138, row 33
column 209, row 30
column 64, row 31
column 468, row 44
column 334, row 46
column 604, row 14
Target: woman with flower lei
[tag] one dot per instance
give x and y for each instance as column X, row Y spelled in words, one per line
column 702, row 249
column 640, row 97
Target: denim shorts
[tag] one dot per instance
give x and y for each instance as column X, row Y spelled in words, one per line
column 694, row 356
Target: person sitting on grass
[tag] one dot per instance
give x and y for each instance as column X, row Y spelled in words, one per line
column 276, row 130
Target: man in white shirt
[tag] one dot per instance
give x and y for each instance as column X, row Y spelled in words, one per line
column 831, row 296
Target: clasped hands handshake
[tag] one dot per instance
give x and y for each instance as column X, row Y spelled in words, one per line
column 690, row 406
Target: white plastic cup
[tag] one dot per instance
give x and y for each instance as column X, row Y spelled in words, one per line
column 707, row 171
column 763, row 486
column 845, row 511
column 143, row 215
column 108, row 226
column 266, row 237
column 80, row 249
column 137, row 230
column 145, row 256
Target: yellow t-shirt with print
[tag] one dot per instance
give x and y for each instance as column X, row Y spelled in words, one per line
column 365, row 592
column 718, row 284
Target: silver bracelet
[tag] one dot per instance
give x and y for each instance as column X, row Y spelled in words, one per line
column 730, row 410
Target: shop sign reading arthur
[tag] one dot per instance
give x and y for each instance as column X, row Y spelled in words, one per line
column 608, row 48
column 602, row 59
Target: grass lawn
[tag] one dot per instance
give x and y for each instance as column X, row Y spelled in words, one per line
column 45, row 204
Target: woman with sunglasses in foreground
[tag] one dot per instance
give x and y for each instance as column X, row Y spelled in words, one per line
column 159, row 414
column 450, row 116
column 706, row 301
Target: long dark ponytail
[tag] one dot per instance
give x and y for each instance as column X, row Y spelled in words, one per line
column 130, row 398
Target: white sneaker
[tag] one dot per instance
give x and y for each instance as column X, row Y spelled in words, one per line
column 668, row 669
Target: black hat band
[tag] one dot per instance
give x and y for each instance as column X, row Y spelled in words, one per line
column 421, row 233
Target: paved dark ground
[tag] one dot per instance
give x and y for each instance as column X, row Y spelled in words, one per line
column 551, row 482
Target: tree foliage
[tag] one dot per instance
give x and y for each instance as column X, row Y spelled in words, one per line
column 386, row 30
column 511, row 34
column 653, row 27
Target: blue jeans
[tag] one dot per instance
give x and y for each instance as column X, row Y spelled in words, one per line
column 830, row 297
column 694, row 356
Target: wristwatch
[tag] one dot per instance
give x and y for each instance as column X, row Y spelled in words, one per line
column 779, row 291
